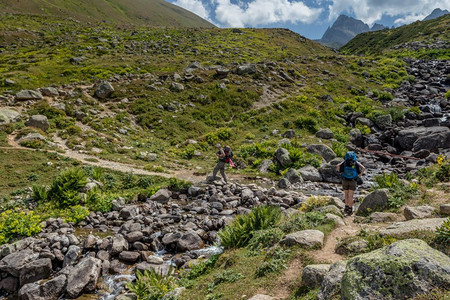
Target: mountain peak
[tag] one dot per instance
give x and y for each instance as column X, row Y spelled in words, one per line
column 436, row 13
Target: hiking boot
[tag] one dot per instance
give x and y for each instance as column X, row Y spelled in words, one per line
column 348, row 210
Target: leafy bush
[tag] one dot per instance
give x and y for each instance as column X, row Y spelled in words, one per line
column 443, row 172
column 39, row 193
column 315, row 202
column 152, row 285
column 385, row 96
column 74, row 214
column 65, row 189
column 263, row 239
column 202, row 267
column 224, row 134
column 224, row 276
column 177, row 185
column 303, row 221
column 98, row 201
column 339, row 148
column 443, row 233
column 400, row 192
column 241, row 230
column 387, row 180
column 15, row 224
column 308, row 123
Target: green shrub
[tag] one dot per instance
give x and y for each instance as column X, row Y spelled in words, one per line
column 65, row 189
column 443, row 233
column 447, row 94
column 400, row 192
column 16, row 224
column 74, row 214
column 303, row 221
column 241, row 230
column 387, row 180
column 223, row 277
column 308, row 123
column 263, row 239
column 385, row 96
column 315, row 202
column 339, row 148
column 202, row 267
column 39, row 193
column 177, row 185
column 99, row 202
column 152, row 285
column 224, row 134
column 397, row 113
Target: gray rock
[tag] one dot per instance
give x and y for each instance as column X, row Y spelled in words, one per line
column 375, row 201
column 176, row 87
column 418, row 212
column 323, row 150
column 50, row 92
column 437, row 136
column 83, row 277
column 14, row 262
column 129, row 212
column 129, row 256
column 445, row 209
column 128, row 296
column 8, row 116
column 49, row 290
column 309, row 173
column 90, row 242
column 306, row 238
column 356, row 137
column 160, row 269
column 118, row 204
column 326, row 134
column 312, row 275
column 119, row 244
column 382, row 217
column 332, row 209
column 38, row 121
column 294, row 176
column 282, row 156
column 161, row 196
column 364, row 121
column 28, row 95
column 384, row 121
column 261, row 297
column 402, row 228
column 9, row 284
column 329, row 173
column 336, row 219
column 283, row 183
column 33, row 136
column 134, row 236
column 246, row 69
column 72, row 255
column 401, row 270
column 171, row 238
column 35, row 270
column 357, row 246
column 264, row 166
column 104, row 90
column 190, row 241
column 289, row 134
column 331, row 284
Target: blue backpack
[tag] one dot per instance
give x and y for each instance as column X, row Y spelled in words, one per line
column 349, row 167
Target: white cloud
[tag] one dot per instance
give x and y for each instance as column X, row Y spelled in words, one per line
column 263, row 12
column 195, row 6
column 370, row 11
column 410, row 18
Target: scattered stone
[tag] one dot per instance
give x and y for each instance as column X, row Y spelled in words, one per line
column 129, row 256
column 309, row 173
column 445, row 209
column 289, row 134
column 190, row 241
column 323, row 150
column 294, row 176
column 28, row 95
column 312, row 275
column 264, row 166
column 83, row 277
column 306, row 238
column 161, row 196
column 326, row 134
column 176, row 87
column 14, row 262
column 104, row 90
column 8, row 116
column 331, row 284
column 382, row 217
column 50, row 92
column 49, row 290
column 419, row 212
column 357, row 246
column 282, row 156
column 35, row 270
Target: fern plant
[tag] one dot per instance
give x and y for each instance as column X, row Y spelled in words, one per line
column 65, row 188
column 152, row 285
column 443, row 233
column 40, row 193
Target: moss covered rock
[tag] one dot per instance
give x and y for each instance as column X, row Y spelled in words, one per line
column 401, row 270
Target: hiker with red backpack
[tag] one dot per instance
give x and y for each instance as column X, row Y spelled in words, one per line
column 224, row 154
column 350, row 170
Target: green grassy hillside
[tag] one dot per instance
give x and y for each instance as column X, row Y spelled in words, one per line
column 394, row 40
column 150, row 12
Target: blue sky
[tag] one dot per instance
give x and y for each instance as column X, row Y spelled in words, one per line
column 310, row 18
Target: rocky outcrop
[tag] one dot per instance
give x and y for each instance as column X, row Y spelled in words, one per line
column 402, row 228
column 418, row 212
column 401, row 270
column 331, row 284
column 323, row 150
column 38, row 121
column 313, row 275
column 311, row 239
column 83, row 277
column 375, row 201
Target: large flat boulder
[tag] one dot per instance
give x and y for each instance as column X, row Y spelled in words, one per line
column 306, row 238
column 14, row 262
column 35, row 270
column 425, row 137
column 49, row 290
column 401, row 228
column 8, row 115
column 401, row 270
column 24, row 95
column 418, row 212
column 323, row 150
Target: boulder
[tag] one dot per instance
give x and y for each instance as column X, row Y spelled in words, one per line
column 14, row 262
column 246, row 69
column 129, row 256
column 264, row 166
column 33, row 136
column 356, row 138
column 28, row 95
column 353, row 247
column 161, row 196
column 326, row 134
column 289, row 134
column 282, row 156
column 401, row 270
column 384, row 121
column 160, row 269
column 176, row 87
column 129, row 212
column 134, row 236
column 104, row 90
column 382, row 217
column 190, row 241
column 84, row 276
column 261, row 297
column 35, row 270
column 72, row 255
column 331, row 284
column 9, row 284
column 38, row 121
column 49, row 290
column 8, row 116
column 119, row 244
column 332, row 209
column 445, row 209
column 309, row 173
column 375, row 201
column 283, row 183
column 418, row 212
column 294, row 176
column 312, row 275
column 402, row 228
column 329, row 173
column 306, row 238
column 323, row 150
column 50, row 92
column 171, row 238
column 336, row 219
column 437, row 136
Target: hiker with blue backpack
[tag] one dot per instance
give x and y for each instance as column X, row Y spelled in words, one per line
column 350, row 170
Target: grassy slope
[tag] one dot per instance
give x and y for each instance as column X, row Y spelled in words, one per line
column 379, row 42
column 151, row 12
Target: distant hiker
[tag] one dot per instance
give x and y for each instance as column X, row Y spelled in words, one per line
column 221, row 164
column 350, row 170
